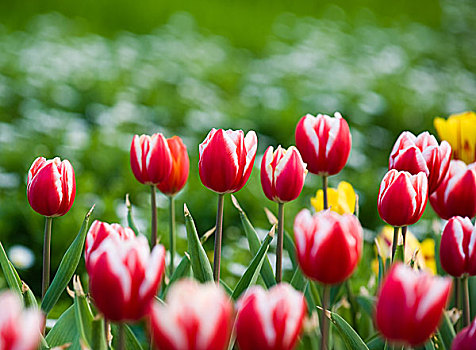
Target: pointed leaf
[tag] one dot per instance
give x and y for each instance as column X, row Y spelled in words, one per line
column 9, row 272
column 367, row 303
column 447, row 331
column 298, row 281
column 65, row 331
column 182, row 270
column 399, row 256
column 350, row 337
column 130, row 218
column 131, row 342
column 98, row 336
column 83, row 314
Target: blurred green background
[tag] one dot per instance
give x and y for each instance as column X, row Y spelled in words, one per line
column 78, row 79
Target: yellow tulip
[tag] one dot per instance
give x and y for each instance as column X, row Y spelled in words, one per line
column 341, row 200
column 460, row 132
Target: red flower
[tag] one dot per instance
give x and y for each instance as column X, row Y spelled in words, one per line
column 226, row 159
column 421, row 154
column 457, row 248
column 177, row 178
column 456, row 195
column 19, row 329
column 324, row 143
column 101, row 230
column 51, row 186
column 124, row 276
column 282, row 174
column 151, row 160
column 270, row 320
column 195, row 316
column 410, row 304
column 466, row 339
column 402, row 197
column 328, row 245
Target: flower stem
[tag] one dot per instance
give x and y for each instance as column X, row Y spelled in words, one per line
column 467, row 309
column 457, row 295
column 121, row 338
column 172, row 233
column 153, row 224
column 404, row 235
column 395, row 241
column 218, row 237
column 279, row 247
column 46, row 256
column 324, row 190
column 324, row 320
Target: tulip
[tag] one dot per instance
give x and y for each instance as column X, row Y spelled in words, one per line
column 410, row 304
column 19, row 329
column 324, row 143
column 456, row 195
column 460, row 131
column 421, row 154
column 270, row 320
column 282, row 177
column 50, row 190
column 151, row 163
column 195, row 316
column 342, row 200
column 466, row 339
column 225, row 164
column 328, row 247
column 124, row 276
column 173, row 184
column 101, row 230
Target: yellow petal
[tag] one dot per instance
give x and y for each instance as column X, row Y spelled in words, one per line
column 347, row 197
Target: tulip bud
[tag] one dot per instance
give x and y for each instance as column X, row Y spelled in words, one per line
column 270, row 320
column 151, row 160
column 324, row 143
column 226, row 159
column 457, row 248
column 51, row 186
column 101, row 230
column 195, row 316
column 456, row 195
column 124, row 276
column 328, row 245
column 421, row 154
column 282, row 174
column 402, row 197
column 466, row 339
column 177, row 178
column 19, row 329
column 410, row 304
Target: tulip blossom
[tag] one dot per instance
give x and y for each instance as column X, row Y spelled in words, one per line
column 124, row 276
column 402, row 197
column 410, row 305
column 466, row 338
column 51, row 186
column 324, row 143
column 456, row 196
column 421, row 154
column 151, row 159
column 270, row 320
column 282, row 174
column 328, row 245
column 226, row 159
column 460, row 131
column 457, row 248
column 341, row 200
column 195, row 316
column 101, row 230
column 19, row 329
column 177, row 178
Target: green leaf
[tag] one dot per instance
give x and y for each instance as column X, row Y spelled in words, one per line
column 350, row 337
column 201, row 267
column 298, row 281
column 429, row 345
column 65, row 331
column 67, row 267
column 226, row 287
column 9, row 272
column 83, row 314
column 399, row 256
column 251, row 274
column 367, row 303
column 98, row 336
column 254, row 243
column 376, row 342
column 447, row 331
column 131, row 342
column 381, row 269
column 130, row 219
column 28, row 296
column 182, row 270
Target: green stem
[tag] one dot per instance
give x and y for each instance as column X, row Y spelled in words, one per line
column 324, row 190
column 279, row 247
column 153, row 224
column 218, row 238
column 172, row 233
column 467, row 309
column 46, row 256
column 457, row 295
column 395, row 241
column 324, row 320
column 404, row 235
column 121, row 344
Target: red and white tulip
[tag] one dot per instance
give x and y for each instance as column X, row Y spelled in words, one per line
column 466, row 338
